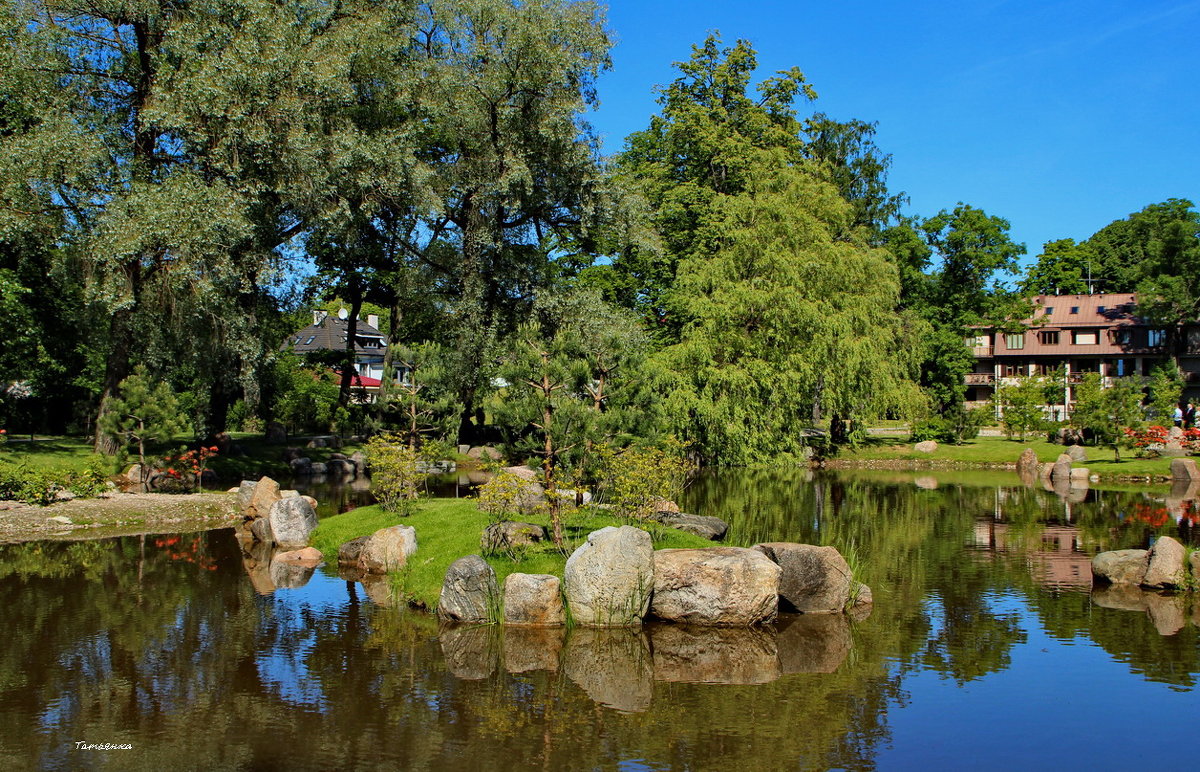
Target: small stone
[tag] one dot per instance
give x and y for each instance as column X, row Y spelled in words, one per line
column 306, row 556
column 61, row 519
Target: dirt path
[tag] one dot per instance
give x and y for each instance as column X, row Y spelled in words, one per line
column 117, row 514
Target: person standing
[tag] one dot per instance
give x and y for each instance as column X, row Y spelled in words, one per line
column 1189, row 416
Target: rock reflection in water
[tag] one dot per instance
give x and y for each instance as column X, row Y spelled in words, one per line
column 471, row 651
column 714, row 655
column 813, row 643
column 290, row 576
column 532, row 648
column 256, row 559
column 378, row 589
column 613, row 666
column 1168, row 613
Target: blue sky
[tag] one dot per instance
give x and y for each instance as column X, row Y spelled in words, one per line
column 1058, row 116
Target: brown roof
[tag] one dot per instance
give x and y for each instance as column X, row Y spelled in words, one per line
column 1115, row 310
column 1118, row 331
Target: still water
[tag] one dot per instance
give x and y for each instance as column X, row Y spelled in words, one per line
column 987, row 649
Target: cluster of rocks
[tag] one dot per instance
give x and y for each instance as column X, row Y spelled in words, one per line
column 1165, row 566
column 618, row 667
column 156, row 478
column 1062, row 476
column 618, row 579
column 278, row 518
column 339, row 466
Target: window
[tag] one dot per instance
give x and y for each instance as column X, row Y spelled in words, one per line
column 1049, row 310
column 1013, row 370
column 310, row 340
column 1101, row 309
column 1119, row 337
column 1049, row 337
column 1074, row 309
column 1014, row 342
column 1156, row 338
column 1084, row 338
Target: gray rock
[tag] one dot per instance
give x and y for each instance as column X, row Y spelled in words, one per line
column 1166, row 567
column 715, row 586
column 301, row 467
column 1062, row 468
column 292, row 521
column 317, row 468
column 260, row 529
column 1184, row 469
column 711, row 528
column 533, row 600
column 928, row 446
column 469, row 592
column 609, row 579
column 350, row 553
column 508, row 534
column 711, row 655
column 245, row 495
column 62, row 519
column 340, row 467
column 359, row 459
column 815, row 580
column 1121, row 566
column 528, row 474
column 276, row 433
column 485, row 452
column 388, row 549
column 1077, row 453
column 1080, row 473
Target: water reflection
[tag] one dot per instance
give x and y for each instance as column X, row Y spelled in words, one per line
column 185, row 646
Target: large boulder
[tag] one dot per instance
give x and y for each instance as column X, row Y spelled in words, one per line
column 245, row 495
column 301, row 467
column 1077, row 454
column 928, row 446
column 266, row 493
column 469, row 592
column 292, row 521
column 1166, row 568
column 1120, row 566
column 533, row 600
column 1062, row 468
column 508, row 534
column 815, row 580
column 526, row 473
column 1184, row 469
column 388, row 549
column 609, row 579
column 485, row 452
column 276, row 433
column 717, row 586
column 705, row 526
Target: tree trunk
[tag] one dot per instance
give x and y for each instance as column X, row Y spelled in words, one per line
column 116, row 369
column 389, row 366
column 348, row 370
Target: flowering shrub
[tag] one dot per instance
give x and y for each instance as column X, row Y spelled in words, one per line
column 3, row 437
column 192, row 462
column 1152, row 439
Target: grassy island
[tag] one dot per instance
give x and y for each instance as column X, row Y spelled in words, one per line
column 448, row 529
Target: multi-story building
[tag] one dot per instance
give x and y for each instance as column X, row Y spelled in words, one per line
column 1072, row 335
column 328, row 333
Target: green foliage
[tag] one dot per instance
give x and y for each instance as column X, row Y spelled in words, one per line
column 972, row 247
column 1107, row 412
column 1023, row 406
column 395, row 478
column 1166, row 389
column 954, row 427
column 505, row 497
column 637, row 480
column 145, row 411
column 306, row 399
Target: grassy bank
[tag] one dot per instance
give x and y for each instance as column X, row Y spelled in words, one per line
column 1000, row 450
column 448, row 529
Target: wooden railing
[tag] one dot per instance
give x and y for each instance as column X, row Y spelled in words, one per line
column 979, row 379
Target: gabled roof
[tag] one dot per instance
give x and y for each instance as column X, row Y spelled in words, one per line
column 330, row 335
column 1103, row 310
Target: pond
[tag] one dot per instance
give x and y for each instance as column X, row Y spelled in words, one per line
column 986, row 648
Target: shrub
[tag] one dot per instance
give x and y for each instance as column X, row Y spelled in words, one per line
column 505, row 496
column 954, row 428
column 635, row 481
column 394, row 475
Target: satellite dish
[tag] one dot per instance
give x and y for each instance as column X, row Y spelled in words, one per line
column 343, row 314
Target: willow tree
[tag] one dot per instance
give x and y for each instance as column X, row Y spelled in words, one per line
column 786, row 324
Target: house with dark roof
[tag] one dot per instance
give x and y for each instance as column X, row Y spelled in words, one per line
column 328, row 333
column 1074, row 335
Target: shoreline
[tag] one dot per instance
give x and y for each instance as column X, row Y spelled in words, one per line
column 117, row 514
column 934, row 464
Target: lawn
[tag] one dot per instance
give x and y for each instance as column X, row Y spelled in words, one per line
column 1001, row 450
column 448, row 529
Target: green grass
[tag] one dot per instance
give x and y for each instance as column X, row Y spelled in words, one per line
column 1001, row 450
column 448, row 529
column 51, row 454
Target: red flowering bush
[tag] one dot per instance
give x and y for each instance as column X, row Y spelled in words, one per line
column 1152, row 439
column 192, row 462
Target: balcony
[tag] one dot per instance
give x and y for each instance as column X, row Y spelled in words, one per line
column 982, row 352
column 979, row 379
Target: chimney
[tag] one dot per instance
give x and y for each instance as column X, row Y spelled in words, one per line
column 373, row 320
column 319, row 316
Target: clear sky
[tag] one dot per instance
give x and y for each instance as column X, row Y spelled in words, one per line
column 1058, row 116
